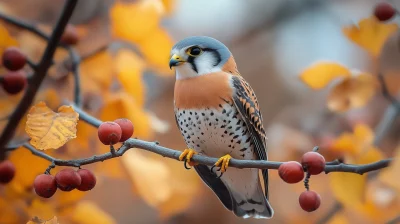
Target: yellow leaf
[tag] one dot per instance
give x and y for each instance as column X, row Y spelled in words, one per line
column 50, row 130
column 68, row 198
column 122, row 105
column 370, row 34
column 321, row 74
column 97, row 72
column 127, row 19
column 87, row 212
column 28, row 166
column 370, row 155
column 390, row 175
column 354, row 92
column 36, row 220
column 345, row 143
column 41, row 209
column 364, row 133
column 169, row 5
column 156, row 49
column 150, row 177
column 5, row 39
column 348, row 188
column 129, row 72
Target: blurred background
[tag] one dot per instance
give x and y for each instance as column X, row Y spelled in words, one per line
column 273, row 41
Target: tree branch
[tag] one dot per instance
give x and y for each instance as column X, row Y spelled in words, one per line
column 334, row 166
column 38, row 76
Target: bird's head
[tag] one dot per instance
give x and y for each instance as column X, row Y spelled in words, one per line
column 198, row 55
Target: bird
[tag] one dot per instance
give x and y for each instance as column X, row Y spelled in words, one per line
column 218, row 115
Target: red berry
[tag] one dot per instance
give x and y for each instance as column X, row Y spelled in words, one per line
column 291, row 172
column 88, row 180
column 313, row 162
column 7, row 171
column 13, row 59
column 68, row 179
column 14, row 82
column 384, row 11
column 109, row 133
column 126, row 127
column 309, row 201
column 45, row 185
column 70, row 35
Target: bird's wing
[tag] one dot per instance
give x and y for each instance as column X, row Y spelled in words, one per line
column 213, row 182
column 246, row 102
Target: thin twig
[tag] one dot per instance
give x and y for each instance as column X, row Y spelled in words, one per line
column 75, row 63
column 38, row 76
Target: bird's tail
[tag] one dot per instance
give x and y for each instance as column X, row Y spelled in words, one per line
column 257, row 206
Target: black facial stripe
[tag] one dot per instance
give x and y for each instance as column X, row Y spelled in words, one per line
column 216, row 54
column 191, row 61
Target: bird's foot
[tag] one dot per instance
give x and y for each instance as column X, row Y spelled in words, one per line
column 223, row 162
column 188, row 154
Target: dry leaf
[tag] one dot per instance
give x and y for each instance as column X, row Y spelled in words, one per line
column 370, row 34
column 352, row 92
column 50, row 130
column 87, row 212
column 319, row 75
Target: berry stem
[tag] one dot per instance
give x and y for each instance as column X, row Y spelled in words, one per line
column 306, row 181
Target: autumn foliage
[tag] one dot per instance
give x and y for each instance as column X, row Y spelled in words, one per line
column 105, row 76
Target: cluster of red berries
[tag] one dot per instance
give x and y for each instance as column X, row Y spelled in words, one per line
column 7, row 171
column 15, row 80
column 384, row 11
column 68, row 179
column 293, row 172
column 112, row 132
column 14, row 60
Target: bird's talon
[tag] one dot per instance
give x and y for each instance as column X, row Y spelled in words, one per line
column 223, row 162
column 188, row 154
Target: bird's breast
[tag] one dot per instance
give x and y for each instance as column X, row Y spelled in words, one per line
column 215, row 131
column 204, row 91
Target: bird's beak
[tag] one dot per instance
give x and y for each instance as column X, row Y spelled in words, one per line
column 175, row 61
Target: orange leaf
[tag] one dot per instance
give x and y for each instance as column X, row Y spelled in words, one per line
column 370, row 34
column 354, row 92
column 319, row 75
column 87, row 212
column 128, row 19
column 129, row 72
column 50, row 130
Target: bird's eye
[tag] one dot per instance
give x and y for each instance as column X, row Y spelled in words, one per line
column 194, row 51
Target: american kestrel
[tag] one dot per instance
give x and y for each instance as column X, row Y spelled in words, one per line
column 218, row 115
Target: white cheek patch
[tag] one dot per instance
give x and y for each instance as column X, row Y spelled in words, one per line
column 205, row 64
